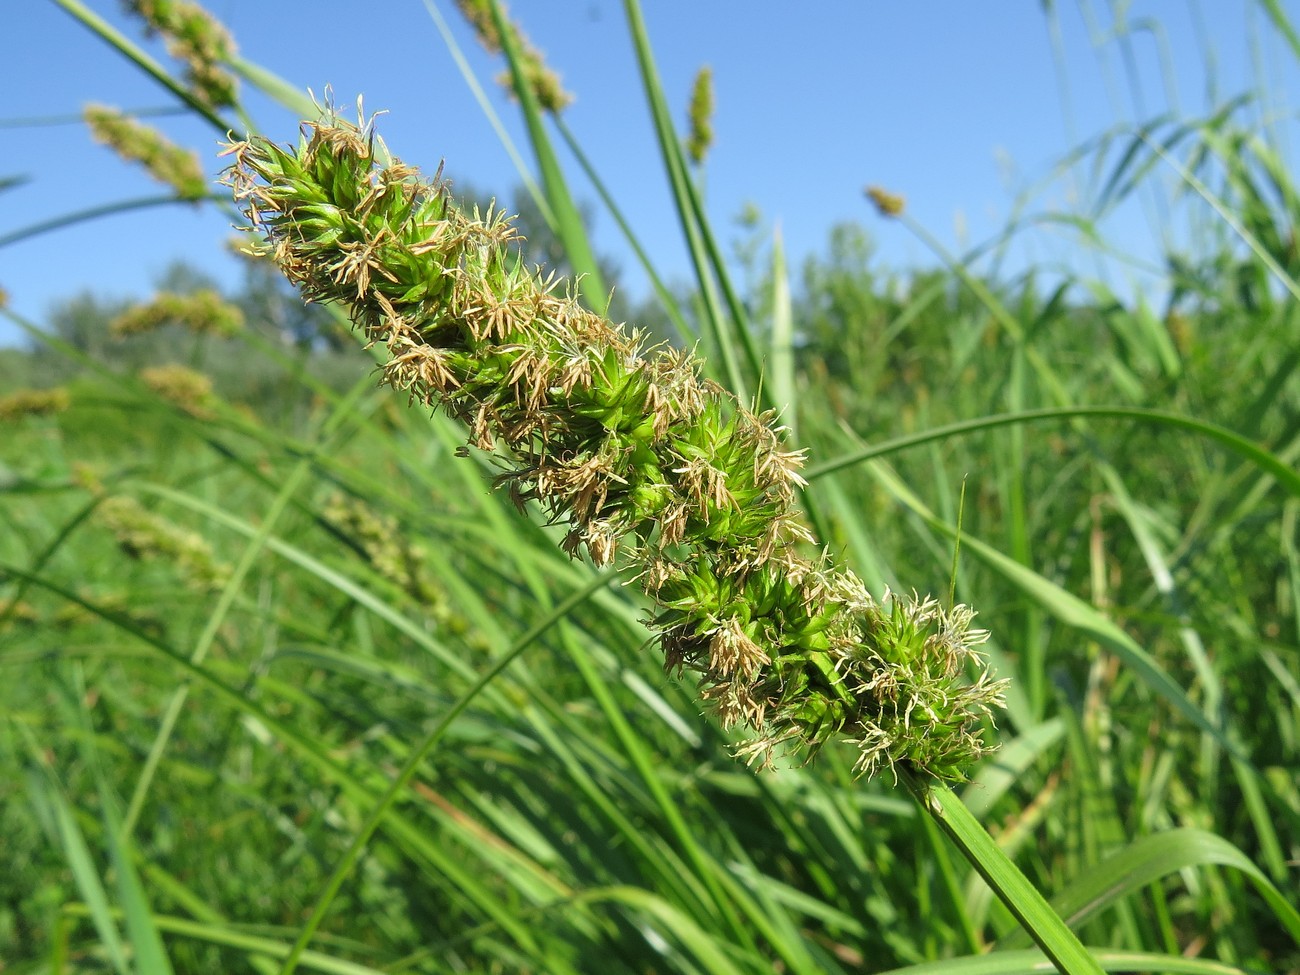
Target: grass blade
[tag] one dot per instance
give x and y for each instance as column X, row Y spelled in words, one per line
column 1150, row 858
column 416, row 759
column 138, row 56
column 81, row 861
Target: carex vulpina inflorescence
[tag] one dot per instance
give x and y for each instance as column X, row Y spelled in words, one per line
column 629, row 447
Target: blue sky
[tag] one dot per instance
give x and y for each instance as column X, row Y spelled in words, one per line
column 960, row 106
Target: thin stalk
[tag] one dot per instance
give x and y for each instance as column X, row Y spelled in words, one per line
column 95, row 212
column 485, row 105
column 1265, row 460
column 688, row 196
column 669, row 147
column 670, row 303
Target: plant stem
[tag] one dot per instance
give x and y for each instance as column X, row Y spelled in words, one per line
column 1011, row 886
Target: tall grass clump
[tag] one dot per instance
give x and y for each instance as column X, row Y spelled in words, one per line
column 305, row 671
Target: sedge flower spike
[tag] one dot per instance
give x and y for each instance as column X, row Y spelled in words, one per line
column 203, row 312
column 641, row 458
column 699, row 119
column 165, row 161
column 194, row 37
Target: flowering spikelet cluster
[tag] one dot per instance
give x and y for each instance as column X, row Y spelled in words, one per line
column 887, row 204
column 197, row 40
column 699, row 138
column 543, row 80
column 33, row 402
column 631, row 449
column 164, row 160
column 143, row 535
column 181, row 386
column 390, row 550
column 203, row 312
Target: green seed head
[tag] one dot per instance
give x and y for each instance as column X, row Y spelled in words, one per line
column 642, row 458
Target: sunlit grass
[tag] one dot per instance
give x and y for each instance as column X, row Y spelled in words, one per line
column 251, row 640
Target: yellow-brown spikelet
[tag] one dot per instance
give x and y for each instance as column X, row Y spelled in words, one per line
column 146, row 536
column 887, row 204
column 203, row 312
column 196, row 39
column 181, row 386
column 543, row 80
column 162, row 159
column 33, row 402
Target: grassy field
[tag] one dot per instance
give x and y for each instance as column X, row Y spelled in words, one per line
column 288, row 685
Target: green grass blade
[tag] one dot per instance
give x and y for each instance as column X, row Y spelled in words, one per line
column 401, row 828
column 715, row 321
column 226, row 600
column 780, row 372
column 1150, row 858
column 1076, row 613
column 669, row 302
column 1286, row 475
column 96, row 212
column 1226, row 214
column 682, row 928
column 1021, row 897
column 149, row 954
column 1033, row 963
column 1006, row 766
column 81, row 861
column 1282, row 23
column 275, row 88
column 410, row 628
column 485, row 105
column 229, row 936
column 1145, row 535
column 138, row 56
column 633, row 749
